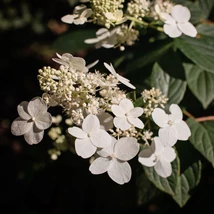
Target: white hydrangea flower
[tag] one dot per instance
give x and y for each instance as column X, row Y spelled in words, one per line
column 79, row 16
column 113, row 159
column 119, row 77
column 159, row 156
column 172, row 127
column 90, row 137
column 105, row 38
column 127, row 115
column 33, row 119
column 178, row 22
column 73, row 63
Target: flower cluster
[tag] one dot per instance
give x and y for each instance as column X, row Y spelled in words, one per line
column 172, row 128
column 123, row 20
column 103, row 122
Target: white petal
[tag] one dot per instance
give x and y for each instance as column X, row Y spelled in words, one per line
column 22, row 110
column 136, row 122
column 183, row 131
column 118, row 111
column 147, row 157
column 91, row 124
column 77, row 132
column 163, row 168
column 60, row 61
column 172, row 31
column 125, row 82
column 100, row 139
column 20, row 126
column 160, row 117
column 188, row 29
column 92, row 64
column 126, row 105
column 84, row 147
column 167, row 18
column 36, row 106
column 34, row 136
column 78, row 63
column 91, row 41
column 43, row 121
column 108, row 151
column 126, row 148
column 106, row 121
column 121, row 123
column 168, row 135
column 102, row 31
column 168, row 154
column 68, row 19
column 86, row 13
column 176, row 113
column 119, row 172
column 180, row 13
column 136, row 112
column 99, row 165
column 157, row 145
column 111, row 69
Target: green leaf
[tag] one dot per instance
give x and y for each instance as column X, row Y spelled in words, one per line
column 200, row 82
column 202, row 138
column 167, row 185
column 206, row 7
column 173, row 88
column 149, row 57
column 199, row 50
column 74, row 41
column 206, row 29
column 187, row 181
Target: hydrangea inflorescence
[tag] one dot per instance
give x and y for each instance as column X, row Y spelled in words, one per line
column 122, row 20
column 106, row 124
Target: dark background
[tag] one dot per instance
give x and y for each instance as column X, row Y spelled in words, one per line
column 31, row 183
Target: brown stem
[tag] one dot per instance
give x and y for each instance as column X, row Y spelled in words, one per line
column 188, row 114
column 203, row 119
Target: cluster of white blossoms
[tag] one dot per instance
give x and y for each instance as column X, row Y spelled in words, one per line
column 160, row 153
column 122, row 20
column 102, row 120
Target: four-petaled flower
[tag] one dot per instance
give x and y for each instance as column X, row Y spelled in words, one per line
column 127, row 115
column 178, row 22
column 113, row 159
column 172, row 127
column 73, row 63
column 79, row 17
column 33, row 119
column 119, row 77
column 90, row 137
column 159, row 156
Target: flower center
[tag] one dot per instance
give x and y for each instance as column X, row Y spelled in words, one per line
column 33, row 119
column 170, row 122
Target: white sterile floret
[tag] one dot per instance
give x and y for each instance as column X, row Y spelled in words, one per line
column 33, row 119
column 127, row 115
column 79, row 16
column 104, row 38
column 119, row 77
column 178, row 22
column 90, row 137
column 159, row 156
column 113, row 159
column 172, row 127
column 73, row 63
